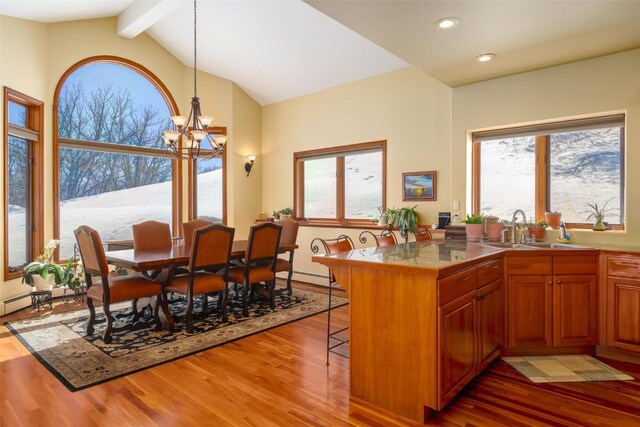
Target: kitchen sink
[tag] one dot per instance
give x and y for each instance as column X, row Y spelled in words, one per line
column 508, row 245
column 536, row 245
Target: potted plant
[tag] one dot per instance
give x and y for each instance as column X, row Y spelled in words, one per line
column 392, row 216
column 407, row 221
column 43, row 273
column 553, row 219
column 474, row 227
column 285, row 213
column 494, row 228
column 382, row 218
column 598, row 213
column 537, row 229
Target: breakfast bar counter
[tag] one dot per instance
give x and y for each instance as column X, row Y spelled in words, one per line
column 424, row 319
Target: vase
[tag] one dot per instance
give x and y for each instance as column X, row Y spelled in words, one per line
column 599, row 226
column 474, row 232
column 553, row 219
column 382, row 221
column 41, row 284
column 494, row 231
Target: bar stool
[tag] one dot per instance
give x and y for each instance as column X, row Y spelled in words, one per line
column 342, row 243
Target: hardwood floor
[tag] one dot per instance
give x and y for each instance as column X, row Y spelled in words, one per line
column 279, row 378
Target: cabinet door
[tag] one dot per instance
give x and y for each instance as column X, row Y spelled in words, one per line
column 574, row 310
column 530, row 315
column 623, row 313
column 457, row 344
column 490, row 322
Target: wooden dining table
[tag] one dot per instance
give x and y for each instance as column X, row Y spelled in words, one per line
column 169, row 259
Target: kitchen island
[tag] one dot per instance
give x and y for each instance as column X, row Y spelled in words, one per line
column 424, row 319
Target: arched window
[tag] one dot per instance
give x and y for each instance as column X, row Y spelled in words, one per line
column 113, row 169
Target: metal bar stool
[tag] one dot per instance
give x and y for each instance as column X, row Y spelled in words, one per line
column 342, row 243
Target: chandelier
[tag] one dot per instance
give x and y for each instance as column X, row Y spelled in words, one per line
column 189, row 134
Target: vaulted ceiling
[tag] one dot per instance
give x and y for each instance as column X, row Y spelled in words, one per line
column 281, row 49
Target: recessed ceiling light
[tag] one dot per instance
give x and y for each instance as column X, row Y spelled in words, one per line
column 485, row 57
column 446, row 23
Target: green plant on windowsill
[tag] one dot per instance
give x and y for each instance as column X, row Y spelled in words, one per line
column 598, row 213
column 474, row 219
column 392, row 215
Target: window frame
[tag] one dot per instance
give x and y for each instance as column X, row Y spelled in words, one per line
column 35, row 124
column 340, row 152
column 192, row 182
column 542, row 134
column 176, row 175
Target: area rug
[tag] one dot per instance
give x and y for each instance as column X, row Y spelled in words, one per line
column 60, row 342
column 571, row 368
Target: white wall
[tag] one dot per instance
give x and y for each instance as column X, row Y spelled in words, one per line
column 408, row 108
column 601, row 85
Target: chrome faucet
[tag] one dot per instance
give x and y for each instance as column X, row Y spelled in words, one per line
column 513, row 226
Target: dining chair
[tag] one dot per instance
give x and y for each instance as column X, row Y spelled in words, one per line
column 422, row 234
column 259, row 263
column 342, row 243
column 109, row 289
column 386, row 238
column 190, row 226
column 210, row 253
column 287, row 238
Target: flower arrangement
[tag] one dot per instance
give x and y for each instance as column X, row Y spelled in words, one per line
column 43, row 272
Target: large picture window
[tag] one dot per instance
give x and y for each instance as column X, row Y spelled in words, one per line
column 342, row 185
column 113, row 167
column 23, row 181
column 551, row 167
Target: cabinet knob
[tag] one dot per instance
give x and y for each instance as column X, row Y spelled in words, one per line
column 550, row 282
column 559, row 282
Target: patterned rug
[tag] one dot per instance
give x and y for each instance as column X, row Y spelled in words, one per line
column 561, row 369
column 60, row 342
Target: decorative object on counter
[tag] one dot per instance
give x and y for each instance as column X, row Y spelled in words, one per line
column 494, row 228
column 474, row 227
column 598, row 213
column 43, row 273
column 392, row 216
column 536, row 229
column 283, row 213
column 407, row 221
column 553, row 219
column 382, row 217
column 419, row 186
column 262, row 216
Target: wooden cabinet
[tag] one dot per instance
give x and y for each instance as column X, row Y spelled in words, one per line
column 471, row 326
column 556, row 306
column 623, row 302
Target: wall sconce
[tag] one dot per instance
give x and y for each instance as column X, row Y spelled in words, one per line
column 249, row 164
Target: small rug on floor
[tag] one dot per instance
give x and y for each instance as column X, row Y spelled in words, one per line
column 60, row 342
column 561, row 369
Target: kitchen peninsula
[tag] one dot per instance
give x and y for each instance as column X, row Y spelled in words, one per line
column 425, row 318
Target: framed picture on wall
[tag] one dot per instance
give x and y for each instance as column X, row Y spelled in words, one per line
column 419, row 186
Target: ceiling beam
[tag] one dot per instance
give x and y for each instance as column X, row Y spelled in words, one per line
column 142, row 14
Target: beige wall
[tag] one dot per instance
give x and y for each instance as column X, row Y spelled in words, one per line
column 408, row 108
column 601, row 85
column 34, row 56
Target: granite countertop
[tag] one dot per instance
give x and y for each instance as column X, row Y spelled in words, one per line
column 434, row 256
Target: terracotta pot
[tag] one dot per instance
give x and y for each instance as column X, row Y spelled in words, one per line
column 553, row 219
column 537, row 232
column 474, row 232
column 494, row 231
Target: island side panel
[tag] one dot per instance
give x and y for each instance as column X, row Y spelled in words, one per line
column 392, row 340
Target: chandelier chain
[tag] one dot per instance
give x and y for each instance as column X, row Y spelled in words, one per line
column 195, row 48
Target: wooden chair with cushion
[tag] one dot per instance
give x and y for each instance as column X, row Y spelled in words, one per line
column 341, row 243
column 386, row 238
column 110, row 290
column 210, row 252
column 422, row 235
column 190, row 226
column 259, row 263
column 288, row 237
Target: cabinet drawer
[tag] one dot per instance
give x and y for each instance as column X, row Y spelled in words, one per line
column 490, row 271
column 579, row 264
column 529, row 265
column 457, row 285
column 623, row 266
